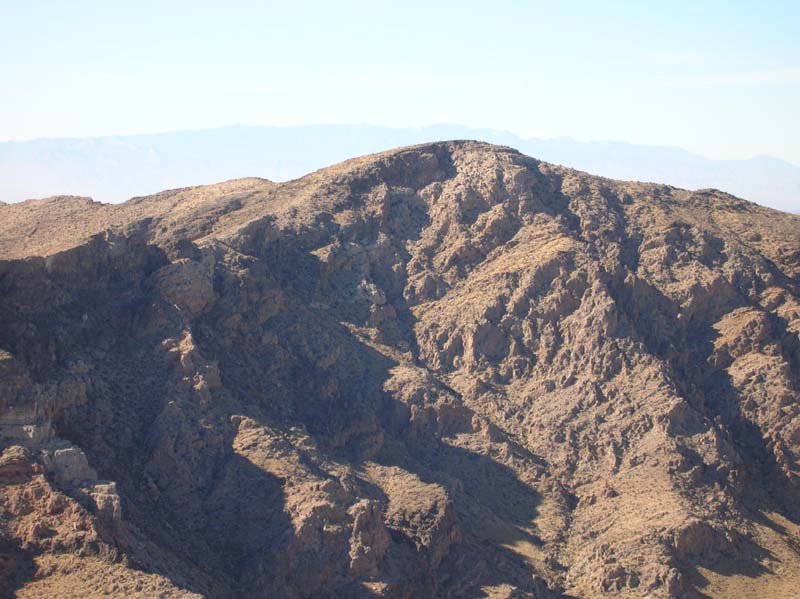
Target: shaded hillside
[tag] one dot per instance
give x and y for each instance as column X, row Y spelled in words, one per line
column 449, row 370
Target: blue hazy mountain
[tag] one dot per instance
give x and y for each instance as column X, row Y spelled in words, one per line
column 113, row 169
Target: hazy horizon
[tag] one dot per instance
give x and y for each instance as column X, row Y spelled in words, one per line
column 116, row 168
column 721, row 80
column 424, row 127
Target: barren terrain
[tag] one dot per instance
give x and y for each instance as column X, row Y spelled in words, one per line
column 448, row 370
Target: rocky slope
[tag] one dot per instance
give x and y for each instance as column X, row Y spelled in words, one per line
column 443, row 371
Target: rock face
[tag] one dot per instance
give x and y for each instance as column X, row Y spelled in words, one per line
column 443, row 371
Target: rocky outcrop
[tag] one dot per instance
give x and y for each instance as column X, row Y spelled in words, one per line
column 369, row 539
column 442, row 371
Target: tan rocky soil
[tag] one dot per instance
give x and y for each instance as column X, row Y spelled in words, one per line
column 443, row 371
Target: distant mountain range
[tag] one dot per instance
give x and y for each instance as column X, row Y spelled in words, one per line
column 113, row 169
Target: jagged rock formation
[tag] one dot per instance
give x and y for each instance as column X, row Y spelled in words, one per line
column 443, row 371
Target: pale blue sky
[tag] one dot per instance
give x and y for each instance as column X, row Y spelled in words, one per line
column 721, row 79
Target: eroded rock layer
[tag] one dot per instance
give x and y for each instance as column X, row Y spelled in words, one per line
column 443, row 371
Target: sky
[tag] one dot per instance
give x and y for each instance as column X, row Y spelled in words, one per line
column 721, row 79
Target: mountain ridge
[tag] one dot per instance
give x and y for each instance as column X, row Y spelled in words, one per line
column 116, row 168
column 427, row 146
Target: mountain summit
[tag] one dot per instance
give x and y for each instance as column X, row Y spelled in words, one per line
column 447, row 370
column 116, row 168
